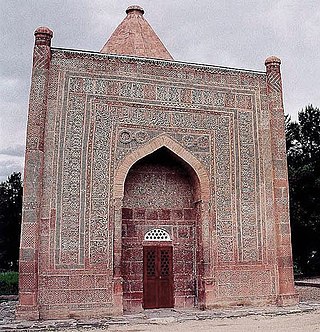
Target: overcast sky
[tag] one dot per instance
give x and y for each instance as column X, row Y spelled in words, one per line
column 231, row 33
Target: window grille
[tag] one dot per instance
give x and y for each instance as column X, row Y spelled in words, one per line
column 157, row 234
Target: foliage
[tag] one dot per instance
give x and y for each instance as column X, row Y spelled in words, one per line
column 10, row 221
column 9, row 283
column 303, row 153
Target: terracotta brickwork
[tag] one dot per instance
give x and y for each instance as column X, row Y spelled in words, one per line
column 120, row 145
column 134, row 36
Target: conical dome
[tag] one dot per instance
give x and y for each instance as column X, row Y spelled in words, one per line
column 134, row 36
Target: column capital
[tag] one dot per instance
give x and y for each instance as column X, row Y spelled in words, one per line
column 272, row 64
column 43, row 36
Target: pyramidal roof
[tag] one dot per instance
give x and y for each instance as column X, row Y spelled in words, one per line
column 134, row 36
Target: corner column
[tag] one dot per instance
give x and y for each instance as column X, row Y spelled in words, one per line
column 287, row 294
column 33, row 171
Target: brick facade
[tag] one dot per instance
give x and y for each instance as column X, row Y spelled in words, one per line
column 120, row 145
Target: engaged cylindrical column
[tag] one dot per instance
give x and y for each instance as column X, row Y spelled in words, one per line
column 287, row 294
column 32, row 191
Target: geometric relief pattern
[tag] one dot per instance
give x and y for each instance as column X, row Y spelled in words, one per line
column 166, row 94
column 74, row 181
column 99, row 222
column 249, row 229
column 164, row 71
column 103, row 117
column 224, row 190
column 130, row 138
column 274, row 81
column 137, row 125
column 235, row 283
column 207, row 133
column 154, row 187
column 71, row 180
column 41, row 57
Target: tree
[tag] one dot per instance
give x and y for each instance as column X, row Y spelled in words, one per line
column 10, row 221
column 303, row 153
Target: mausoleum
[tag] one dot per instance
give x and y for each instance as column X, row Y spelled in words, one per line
column 150, row 182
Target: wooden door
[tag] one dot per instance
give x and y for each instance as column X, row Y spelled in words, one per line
column 157, row 277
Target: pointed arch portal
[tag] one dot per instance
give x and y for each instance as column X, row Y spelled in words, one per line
column 161, row 185
column 153, row 145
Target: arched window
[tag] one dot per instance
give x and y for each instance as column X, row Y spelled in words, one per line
column 157, row 234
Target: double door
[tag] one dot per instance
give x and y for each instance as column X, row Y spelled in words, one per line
column 157, row 277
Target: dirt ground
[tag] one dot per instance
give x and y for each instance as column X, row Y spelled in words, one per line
column 303, row 322
column 294, row 323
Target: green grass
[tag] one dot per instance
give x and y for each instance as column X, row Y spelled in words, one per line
column 9, row 283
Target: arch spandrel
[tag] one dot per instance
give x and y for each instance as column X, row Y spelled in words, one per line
column 150, row 147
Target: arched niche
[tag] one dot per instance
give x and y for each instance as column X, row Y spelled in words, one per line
column 162, row 152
